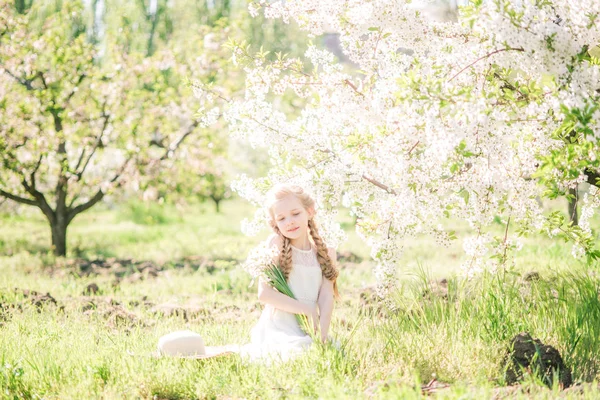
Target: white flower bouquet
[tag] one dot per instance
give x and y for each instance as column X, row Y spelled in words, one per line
column 260, row 264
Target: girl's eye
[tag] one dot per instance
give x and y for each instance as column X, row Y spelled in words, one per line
column 296, row 214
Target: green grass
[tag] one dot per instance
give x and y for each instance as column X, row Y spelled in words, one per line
column 461, row 338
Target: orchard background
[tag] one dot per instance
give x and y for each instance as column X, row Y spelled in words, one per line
column 452, row 149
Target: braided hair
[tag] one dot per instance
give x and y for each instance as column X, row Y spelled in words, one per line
column 328, row 267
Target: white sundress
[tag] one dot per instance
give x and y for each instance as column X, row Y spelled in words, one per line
column 277, row 335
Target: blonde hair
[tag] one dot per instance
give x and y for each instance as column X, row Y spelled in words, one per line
column 329, row 269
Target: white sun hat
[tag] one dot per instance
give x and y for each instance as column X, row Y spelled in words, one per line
column 181, row 344
column 188, row 344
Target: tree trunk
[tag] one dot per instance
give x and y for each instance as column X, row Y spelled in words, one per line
column 20, row 6
column 225, row 10
column 152, row 16
column 217, row 204
column 573, row 206
column 59, row 235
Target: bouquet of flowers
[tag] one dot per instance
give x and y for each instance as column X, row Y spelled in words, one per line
column 260, row 264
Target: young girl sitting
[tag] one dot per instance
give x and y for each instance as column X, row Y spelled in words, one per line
column 310, row 270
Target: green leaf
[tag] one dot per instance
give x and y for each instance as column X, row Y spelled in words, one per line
column 465, row 195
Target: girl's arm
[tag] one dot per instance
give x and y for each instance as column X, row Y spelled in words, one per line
column 325, row 301
column 268, row 295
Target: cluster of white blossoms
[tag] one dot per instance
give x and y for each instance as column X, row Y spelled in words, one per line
column 591, row 201
column 260, row 258
column 444, row 120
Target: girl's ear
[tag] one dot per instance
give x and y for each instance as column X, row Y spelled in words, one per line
column 311, row 212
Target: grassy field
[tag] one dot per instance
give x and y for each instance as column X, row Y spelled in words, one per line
column 163, row 269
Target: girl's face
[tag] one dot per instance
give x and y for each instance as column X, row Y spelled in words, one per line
column 292, row 218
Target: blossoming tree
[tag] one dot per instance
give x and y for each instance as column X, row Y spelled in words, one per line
column 73, row 128
column 440, row 120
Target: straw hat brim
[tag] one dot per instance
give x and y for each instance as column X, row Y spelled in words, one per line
column 209, row 352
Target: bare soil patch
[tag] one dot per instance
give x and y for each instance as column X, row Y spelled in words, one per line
column 129, row 269
column 37, row 299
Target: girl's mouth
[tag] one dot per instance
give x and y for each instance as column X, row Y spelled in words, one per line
column 294, row 230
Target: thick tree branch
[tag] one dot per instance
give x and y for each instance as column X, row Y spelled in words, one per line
column 40, row 74
column 72, row 212
column 24, row 82
column 79, row 174
column 25, row 140
column 85, row 206
column 80, row 159
column 41, row 200
column 32, row 175
column 57, row 120
column 18, row 199
column 593, row 178
column 75, row 197
column 175, row 145
column 79, row 80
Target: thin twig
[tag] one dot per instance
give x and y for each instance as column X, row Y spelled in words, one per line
column 379, row 184
column 484, row 57
column 505, row 238
column 347, row 82
column 412, row 148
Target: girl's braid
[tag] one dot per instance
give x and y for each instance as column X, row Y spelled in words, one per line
column 285, row 257
column 329, row 269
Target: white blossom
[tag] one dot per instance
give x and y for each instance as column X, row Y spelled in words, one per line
column 260, row 258
column 424, row 132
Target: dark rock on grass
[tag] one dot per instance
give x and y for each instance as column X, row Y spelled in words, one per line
column 91, row 289
column 532, row 356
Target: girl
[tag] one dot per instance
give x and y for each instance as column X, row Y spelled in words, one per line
column 310, row 270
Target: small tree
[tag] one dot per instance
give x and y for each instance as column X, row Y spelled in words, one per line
column 73, row 129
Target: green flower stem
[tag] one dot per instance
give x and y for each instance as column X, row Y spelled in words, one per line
column 278, row 281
